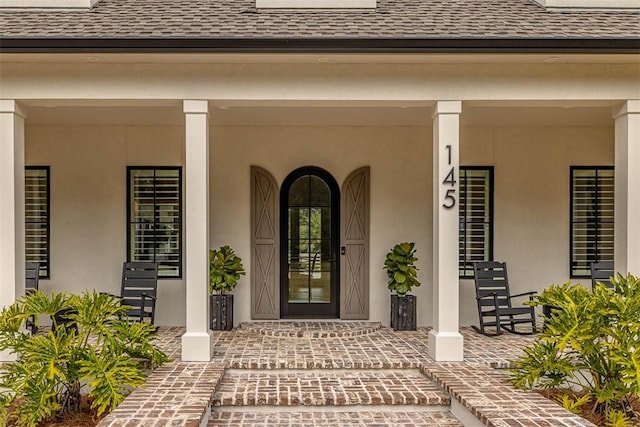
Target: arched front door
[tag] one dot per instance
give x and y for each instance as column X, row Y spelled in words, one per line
column 309, row 244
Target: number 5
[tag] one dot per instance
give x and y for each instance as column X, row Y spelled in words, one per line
column 450, row 197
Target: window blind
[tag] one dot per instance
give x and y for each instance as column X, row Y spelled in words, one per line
column 592, row 221
column 155, row 225
column 36, row 198
column 476, row 218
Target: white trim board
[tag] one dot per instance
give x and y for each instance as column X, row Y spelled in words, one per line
column 590, row 4
column 48, row 4
column 316, row 4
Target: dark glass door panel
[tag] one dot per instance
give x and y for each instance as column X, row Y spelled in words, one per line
column 309, row 268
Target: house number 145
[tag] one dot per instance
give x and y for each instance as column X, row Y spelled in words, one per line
column 449, row 180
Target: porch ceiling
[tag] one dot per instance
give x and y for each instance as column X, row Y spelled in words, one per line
column 472, row 115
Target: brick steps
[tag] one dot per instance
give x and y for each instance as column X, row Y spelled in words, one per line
column 311, row 329
column 328, row 387
column 349, row 418
column 181, row 394
column 329, row 398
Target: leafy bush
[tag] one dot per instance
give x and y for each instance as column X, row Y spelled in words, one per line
column 106, row 354
column 399, row 264
column 225, row 269
column 591, row 343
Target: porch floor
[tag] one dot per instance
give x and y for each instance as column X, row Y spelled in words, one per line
column 332, row 374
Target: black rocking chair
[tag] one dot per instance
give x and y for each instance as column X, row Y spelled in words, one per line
column 602, row 272
column 32, row 278
column 494, row 300
column 139, row 290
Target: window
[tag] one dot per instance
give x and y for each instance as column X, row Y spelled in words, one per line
column 592, row 220
column 154, row 207
column 476, row 217
column 36, row 217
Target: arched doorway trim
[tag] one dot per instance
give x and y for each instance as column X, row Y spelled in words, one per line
column 309, row 244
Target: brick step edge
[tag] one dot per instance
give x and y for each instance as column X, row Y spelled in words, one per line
column 302, row 329
column 329, row 388
column 324, row 418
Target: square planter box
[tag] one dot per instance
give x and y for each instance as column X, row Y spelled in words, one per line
column 403, row 313
column 61, row 319
column 221, row 307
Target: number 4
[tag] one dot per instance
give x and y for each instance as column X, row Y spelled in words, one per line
column 450, row 178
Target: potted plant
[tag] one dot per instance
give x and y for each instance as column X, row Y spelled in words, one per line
column 402, row 273
column 225, row 269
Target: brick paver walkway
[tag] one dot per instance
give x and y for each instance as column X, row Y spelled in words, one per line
column 177, row 394
column 335, row 374
column 328, row 388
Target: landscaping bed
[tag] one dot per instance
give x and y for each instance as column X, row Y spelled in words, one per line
column 588, row 356
column 556, row 395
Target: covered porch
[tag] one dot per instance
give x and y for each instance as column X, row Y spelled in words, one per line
column 411, row 120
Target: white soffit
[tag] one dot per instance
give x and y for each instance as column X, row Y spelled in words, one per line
column 590, row 4
column 48, row 4
column 316, row 4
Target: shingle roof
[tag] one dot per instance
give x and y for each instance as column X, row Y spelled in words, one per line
column 392, row 20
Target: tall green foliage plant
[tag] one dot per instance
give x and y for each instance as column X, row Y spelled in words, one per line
column 591, row 345
column 98, row 353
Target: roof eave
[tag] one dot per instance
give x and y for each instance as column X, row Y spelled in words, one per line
column 320, row 45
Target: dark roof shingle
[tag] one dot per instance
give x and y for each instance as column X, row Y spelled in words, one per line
column 392, row 19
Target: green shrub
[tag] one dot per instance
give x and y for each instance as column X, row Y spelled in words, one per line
column 106, row 356
column 400, row 268
column 591, row 343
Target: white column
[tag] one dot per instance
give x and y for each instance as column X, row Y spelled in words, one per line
column 197, row 343
column 627, row 187
column 12, row 205
column 445, row 340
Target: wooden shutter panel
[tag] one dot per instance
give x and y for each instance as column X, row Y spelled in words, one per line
column 354, row 263
column 265, row 270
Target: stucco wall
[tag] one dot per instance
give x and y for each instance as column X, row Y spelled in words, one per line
column 88, row 202
column 531, row 193
column 531, row 198
column 400, row 161
column 88, row 196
